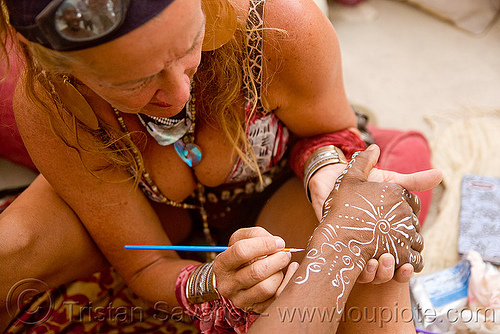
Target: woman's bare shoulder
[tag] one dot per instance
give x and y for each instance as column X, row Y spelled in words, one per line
column 303, row 68
column 33, row 121
column 282, row 14
column 297, row 33
column 294, row 16
column 25, row 109
column 38, row 122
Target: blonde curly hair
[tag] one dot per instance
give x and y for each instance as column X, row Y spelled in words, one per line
column 221, row 67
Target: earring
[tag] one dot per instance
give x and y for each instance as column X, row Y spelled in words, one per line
column 220, row 23
column 76, row 103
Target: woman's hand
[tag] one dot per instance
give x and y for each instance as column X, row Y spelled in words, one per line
column 380, row 271
column 321, row 183
column 373, row 218
column 383, row 270
column 376, row 271
column 249, row 273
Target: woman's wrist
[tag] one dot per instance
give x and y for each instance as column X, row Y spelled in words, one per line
column 201, row 285
column 210, row 315
column 321, row 157
column 347, row 140
column 329, row 269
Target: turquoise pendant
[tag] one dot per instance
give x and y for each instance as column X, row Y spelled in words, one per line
column 189, row 153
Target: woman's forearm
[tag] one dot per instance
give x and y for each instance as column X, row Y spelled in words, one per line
column 314, row 299
column 157, row 282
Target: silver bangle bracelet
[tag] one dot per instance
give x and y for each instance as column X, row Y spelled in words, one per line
column 323, row 156
column 201, row 286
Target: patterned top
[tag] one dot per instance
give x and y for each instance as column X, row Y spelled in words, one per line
column 266, row 133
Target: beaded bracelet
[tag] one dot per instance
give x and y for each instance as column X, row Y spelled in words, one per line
column 201, row 286
column 323, row 156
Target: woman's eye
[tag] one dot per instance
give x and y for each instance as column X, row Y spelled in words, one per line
column 137, row 86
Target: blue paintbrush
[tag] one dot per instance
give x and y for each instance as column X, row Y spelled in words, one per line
column 194, row 248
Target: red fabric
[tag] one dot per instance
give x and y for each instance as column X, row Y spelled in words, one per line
column 347, row 141
column 400, row 151
column 101, row 303
column 218, row 316
column 405, row 152
column 11, row 147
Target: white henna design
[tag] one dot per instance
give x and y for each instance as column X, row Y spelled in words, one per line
column 341, row 280
column 344, row 172
column 387, row 233
column 374, row 223
column 314, row 267
column 326, row 209
column 385, row 229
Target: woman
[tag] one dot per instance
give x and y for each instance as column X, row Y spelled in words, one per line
column 203, row 134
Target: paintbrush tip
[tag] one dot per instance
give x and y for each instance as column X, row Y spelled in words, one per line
column 293, row 250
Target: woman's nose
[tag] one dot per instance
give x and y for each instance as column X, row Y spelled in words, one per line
column 174, row 89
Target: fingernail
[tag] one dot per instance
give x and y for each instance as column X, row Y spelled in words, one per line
column 280, row 243
column 387, row 262
column 370, row 268
column 407, row 273
column 371, row 147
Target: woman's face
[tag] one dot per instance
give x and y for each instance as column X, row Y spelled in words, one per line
column 148, row 70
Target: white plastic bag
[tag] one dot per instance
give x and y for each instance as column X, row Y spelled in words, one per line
column 483, row 313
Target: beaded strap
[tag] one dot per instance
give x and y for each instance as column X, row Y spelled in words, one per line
column 252, row 74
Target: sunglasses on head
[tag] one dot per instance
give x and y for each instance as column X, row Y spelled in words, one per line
column 66, row 25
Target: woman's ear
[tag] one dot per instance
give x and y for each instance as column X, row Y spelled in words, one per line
column 220, row 25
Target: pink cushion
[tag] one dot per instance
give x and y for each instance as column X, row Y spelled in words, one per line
column 11, row 147
column 405, row 152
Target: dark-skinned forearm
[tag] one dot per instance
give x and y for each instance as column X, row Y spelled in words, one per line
column 315, row 297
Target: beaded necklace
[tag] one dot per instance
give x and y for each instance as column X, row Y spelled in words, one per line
column 177, row 131
column 190, row 153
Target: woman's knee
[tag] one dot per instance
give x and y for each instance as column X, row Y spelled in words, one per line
column 18, row 246
column 27, row 226
column 16, row 238
column 42, row 237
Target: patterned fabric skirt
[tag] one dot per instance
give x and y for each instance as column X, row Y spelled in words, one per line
column 101, row 303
